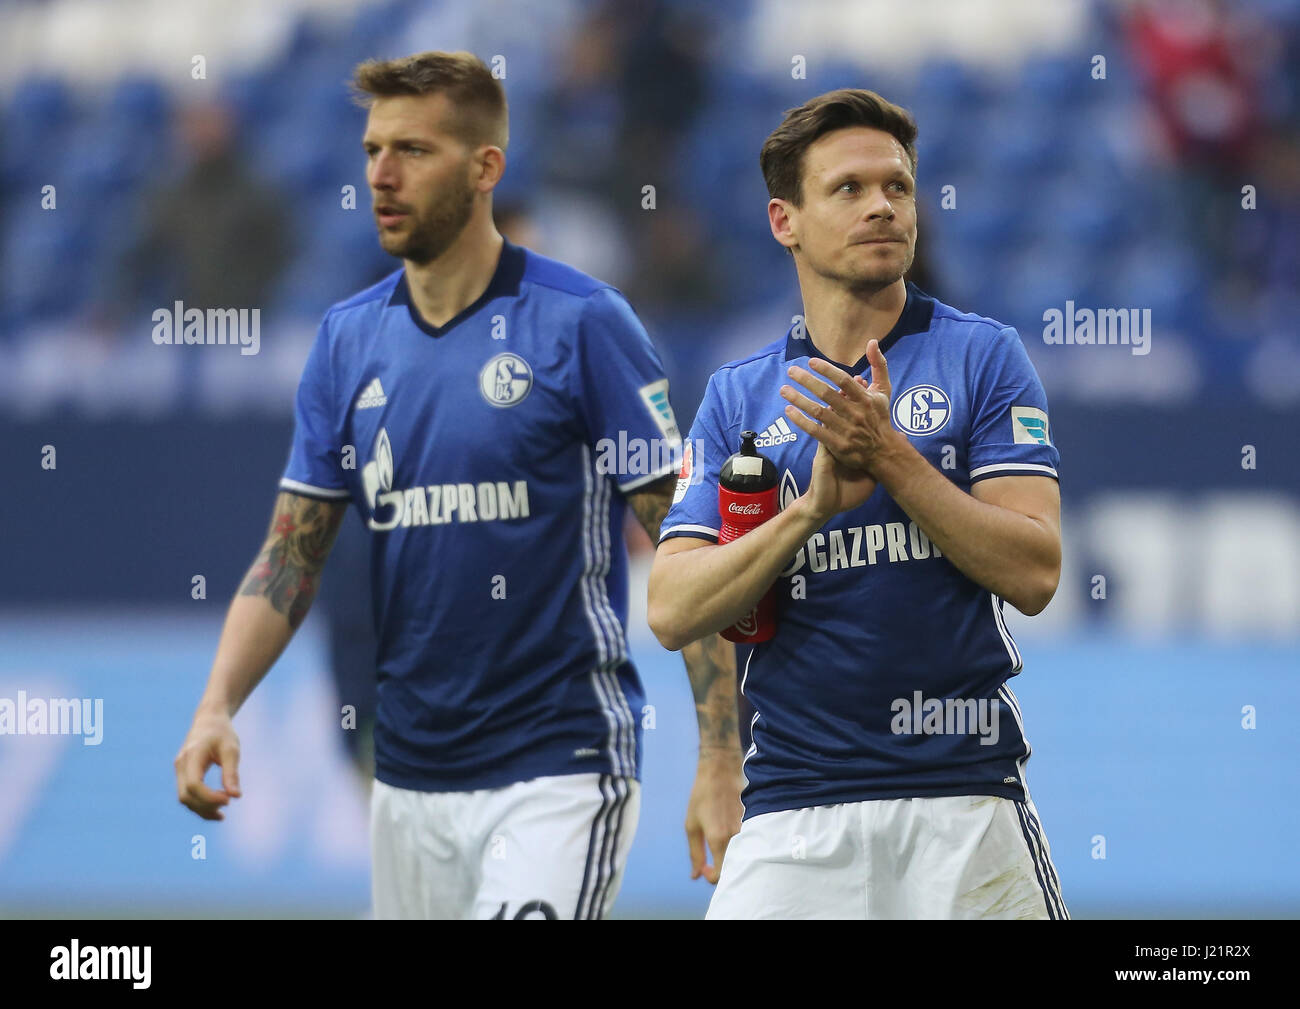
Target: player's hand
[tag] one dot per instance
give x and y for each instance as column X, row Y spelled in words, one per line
column 714, row 810
column 834, row 488
column 852, row 420
column 211, row 740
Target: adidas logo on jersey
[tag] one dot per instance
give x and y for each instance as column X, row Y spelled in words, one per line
column 776, row 434
column 372, row 395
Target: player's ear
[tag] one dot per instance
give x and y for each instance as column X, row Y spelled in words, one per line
column 490, row 165
column 781, row 216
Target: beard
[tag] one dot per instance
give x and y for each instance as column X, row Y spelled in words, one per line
column 432, row 232
column 873, row 276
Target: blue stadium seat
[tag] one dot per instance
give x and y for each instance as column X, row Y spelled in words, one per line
column 137, row 101
column 301, row 148
column 988, row 213
column 1158, row 273
column 945, row 87
column 39, row 246
column 719, row 172
column 106, row 159
column 945, row 146
column 829, row 75
column 37, row 118
column 1077, row 214
column 1039, row 275
column 1027, row 144
column 376, row 26
column 39, row 103
column 1056, row 81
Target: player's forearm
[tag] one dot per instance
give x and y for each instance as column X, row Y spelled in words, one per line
column 254, row 636
column 273, row 598
column 711, row 668
column 701, row 591
column 1012, row 555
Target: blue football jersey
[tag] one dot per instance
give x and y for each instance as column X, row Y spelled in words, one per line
column 887, row 675
column 482, row 456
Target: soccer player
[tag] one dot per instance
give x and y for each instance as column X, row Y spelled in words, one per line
column 468, row 405
column 886, row 778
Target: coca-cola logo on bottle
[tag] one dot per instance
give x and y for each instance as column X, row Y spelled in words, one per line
column 744, row 509
column 748, row 624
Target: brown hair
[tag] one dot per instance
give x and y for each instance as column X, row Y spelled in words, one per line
column 477, row 96
column 782, row 156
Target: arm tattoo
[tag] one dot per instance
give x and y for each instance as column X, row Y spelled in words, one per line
column 651, row 504
column 287, row 571
column 711, row 666
column 711, row 661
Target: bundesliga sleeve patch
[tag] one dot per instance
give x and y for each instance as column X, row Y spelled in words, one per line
column 1030, row 426
column 684, row 476
column 655, row 397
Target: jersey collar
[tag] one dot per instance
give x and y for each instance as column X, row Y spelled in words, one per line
column 917, row 313
column 504, row 282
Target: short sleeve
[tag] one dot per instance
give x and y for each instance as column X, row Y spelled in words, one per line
column 694, row 510
column 622, row 394
column 1010, row 431
column 315, row 462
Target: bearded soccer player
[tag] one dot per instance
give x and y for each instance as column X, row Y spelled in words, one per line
column 919, row 488
column 479, row 389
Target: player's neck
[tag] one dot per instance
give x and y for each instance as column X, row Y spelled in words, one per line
column 444, row 287
column 841, row 321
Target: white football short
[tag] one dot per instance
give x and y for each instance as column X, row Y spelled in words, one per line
column 971, row 856
column 552, row 847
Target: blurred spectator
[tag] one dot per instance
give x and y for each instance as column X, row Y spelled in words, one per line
column 679, row 271
column 633, row 85
column 1199, row 79
column 661, row 87
column 1269, row 238
column 582, row 113
column 216, row 238
column 1201, row 63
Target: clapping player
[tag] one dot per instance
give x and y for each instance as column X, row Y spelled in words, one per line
column 886, row 778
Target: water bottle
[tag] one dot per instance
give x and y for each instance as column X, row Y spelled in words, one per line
column 747, row 497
